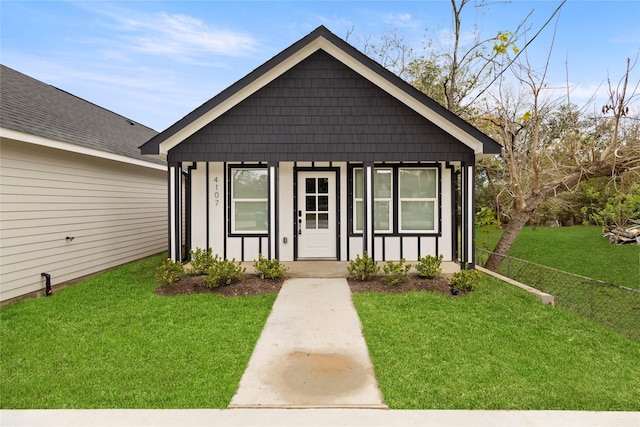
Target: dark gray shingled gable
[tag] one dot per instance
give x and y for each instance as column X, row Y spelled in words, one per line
column 320, row 110
column 152, row 146
column 36, row 108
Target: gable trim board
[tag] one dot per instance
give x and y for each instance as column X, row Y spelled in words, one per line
column 269, row 119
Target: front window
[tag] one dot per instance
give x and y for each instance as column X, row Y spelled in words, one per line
column 417, row 207
column 249, row 200
column 410, row 207
column 383, row 200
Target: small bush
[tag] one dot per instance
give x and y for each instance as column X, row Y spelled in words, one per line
column 487, row 216
column 201, row 260
column 269, row 268
column 363, row 268
column 223, row 272
column 465, row 280
column 429, row 266
column 168, row 272
column 394, row 273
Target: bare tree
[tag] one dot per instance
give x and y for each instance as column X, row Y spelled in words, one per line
column 450, row 73
column 540, row 168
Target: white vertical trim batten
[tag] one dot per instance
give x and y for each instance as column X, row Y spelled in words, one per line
column 470, row 214
column 368, row 195
column 273, row 201
column 172, row 212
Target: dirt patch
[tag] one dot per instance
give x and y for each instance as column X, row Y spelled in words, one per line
column 318, row 374
column 252, row 284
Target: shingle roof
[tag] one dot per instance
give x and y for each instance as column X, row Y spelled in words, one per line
column 152, row 146
column 36, row 108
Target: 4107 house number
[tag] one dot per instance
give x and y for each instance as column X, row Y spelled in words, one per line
column 216, row 194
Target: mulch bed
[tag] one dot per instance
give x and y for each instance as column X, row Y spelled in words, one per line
column 413, row 284
column 251, row 284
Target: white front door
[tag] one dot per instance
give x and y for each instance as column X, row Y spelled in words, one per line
column 316, row 216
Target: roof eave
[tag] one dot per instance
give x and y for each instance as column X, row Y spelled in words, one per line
column 75, row 148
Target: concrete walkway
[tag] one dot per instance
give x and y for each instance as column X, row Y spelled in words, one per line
column 311, row 353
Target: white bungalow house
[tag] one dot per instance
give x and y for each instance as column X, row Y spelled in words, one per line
column 321, row 153
column 76, row 195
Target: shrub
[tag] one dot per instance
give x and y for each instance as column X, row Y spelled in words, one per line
column 363, row 268
column 223, row 272
column 394, row 273
column 465, row 280
column 429, row 266
column 168, row 272
column 269, row 268
column 487, row 216
column 201, row 260
column 621, row 209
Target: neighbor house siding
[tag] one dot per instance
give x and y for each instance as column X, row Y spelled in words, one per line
column 115, row 212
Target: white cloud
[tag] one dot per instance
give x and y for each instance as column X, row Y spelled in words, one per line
column 401, row 20
column 163, row 33
column 170, row 36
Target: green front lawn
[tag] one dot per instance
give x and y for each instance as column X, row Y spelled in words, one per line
column 110, row 342
column 497, row 348
column 580, row 250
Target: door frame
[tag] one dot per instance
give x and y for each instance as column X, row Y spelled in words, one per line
column 296, row 202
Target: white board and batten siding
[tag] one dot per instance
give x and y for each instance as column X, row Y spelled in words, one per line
column 209, row 229
column 71, row 215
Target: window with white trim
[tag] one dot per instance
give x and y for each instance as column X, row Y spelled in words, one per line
column 382, row 203
column 418, row 200
column 249, row 200
column 415, row 205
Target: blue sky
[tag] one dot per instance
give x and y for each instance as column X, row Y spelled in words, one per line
column 154, row 62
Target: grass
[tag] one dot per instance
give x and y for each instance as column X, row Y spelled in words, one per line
column 580, row 250
column 497, row 348
column 110, row 342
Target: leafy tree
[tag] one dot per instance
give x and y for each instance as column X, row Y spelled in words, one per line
column 620, row 209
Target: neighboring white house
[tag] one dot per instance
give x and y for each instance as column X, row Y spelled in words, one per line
column 76, row 196
column 321, row 153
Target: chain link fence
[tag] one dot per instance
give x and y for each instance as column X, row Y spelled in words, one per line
column 616, row 307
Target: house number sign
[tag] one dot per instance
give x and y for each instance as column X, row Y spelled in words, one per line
column 216, row 194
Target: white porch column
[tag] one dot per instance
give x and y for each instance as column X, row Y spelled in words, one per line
column 175, row 213
column 467, row 256
column 367, row 209
column 273, row 211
